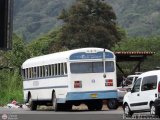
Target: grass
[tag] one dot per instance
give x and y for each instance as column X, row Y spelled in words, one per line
column 10, row 86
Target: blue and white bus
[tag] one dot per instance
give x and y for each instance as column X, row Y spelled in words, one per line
column 63, row 79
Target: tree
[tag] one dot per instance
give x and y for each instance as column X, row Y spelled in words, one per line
column 10, row 79
column 150, row 44
column 18, row 54
column 89, row 23
column 39, row 46
column 45, row 44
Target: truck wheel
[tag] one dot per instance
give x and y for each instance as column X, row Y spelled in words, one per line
column 32, row 104
column 112, row 104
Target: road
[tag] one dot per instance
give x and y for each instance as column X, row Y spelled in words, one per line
column 48, row 114
column 22, row 114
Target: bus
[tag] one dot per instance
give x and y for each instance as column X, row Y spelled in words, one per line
column 63, row 79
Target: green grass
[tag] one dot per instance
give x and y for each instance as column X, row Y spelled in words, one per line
column 10, row 86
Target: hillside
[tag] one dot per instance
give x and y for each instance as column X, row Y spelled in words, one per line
column 33, row 18
column 138, row 17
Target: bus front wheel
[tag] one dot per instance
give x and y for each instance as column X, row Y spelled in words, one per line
column 112, row 103
column 32, row 104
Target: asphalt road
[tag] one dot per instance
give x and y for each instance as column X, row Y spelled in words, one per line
column 24, row 114
column 48, row 114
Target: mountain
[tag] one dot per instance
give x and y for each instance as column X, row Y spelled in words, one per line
column 138, row 17
column 33, row 18
column 36, row 17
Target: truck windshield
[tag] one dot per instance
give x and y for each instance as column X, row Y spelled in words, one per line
column 92, row 67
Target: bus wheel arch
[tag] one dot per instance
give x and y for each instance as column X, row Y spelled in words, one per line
column 28, row 96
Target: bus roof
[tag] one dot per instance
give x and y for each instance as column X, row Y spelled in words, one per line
column 60, row 57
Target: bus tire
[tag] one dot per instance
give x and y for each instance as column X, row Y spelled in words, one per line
column 54, row 102
column 32, row 104
column 66, row 107
column 91, row 106
column 56, row 106
column 96, row 105
column 112, row 103
column 99, row 105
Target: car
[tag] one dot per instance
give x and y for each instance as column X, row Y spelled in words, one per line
column 130, row 80
column 126, row 84
column 144, row 96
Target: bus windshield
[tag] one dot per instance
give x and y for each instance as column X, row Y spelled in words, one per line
column 92, row 67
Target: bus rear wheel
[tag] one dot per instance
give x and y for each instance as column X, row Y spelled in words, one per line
column 59, row 106
column 96, row 105
column 112, row 103
column 55, row 105
column 66, row 107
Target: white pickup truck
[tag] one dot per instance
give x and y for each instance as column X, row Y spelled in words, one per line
column 125, row 85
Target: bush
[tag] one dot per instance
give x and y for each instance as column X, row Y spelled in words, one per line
column 10, row 86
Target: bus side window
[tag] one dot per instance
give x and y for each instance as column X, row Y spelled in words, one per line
column 37, row 72
column 53, row 70
column 59, row 69
column 65, row 68
column 41, row 71
column 23, row 73
column 33, row 72
column 56, row 70
column 62, row 70
column 26, row 73
column 44, row 71
column 30, row 73
column 50, row 70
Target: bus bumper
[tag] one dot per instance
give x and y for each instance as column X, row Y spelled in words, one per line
column 92, row 95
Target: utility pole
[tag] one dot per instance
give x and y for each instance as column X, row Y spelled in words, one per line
column 6, row 22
